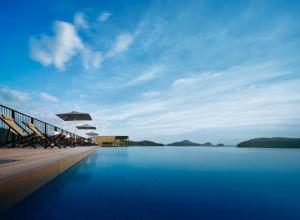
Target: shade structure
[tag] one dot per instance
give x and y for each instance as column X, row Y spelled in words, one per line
column 75, row 116
column 91, row 134
column 86, row 127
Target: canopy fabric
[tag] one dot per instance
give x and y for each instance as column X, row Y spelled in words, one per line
column 92, row 134
column 86, row 127
column 75, row 116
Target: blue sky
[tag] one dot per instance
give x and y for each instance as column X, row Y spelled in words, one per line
column 219, row 71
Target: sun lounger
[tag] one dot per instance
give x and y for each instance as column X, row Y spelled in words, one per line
column 24, row 138
column 49, row 140
column 65, row 140
column 70, row 140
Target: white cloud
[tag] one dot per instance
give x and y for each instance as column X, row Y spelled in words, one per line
column 231, row 79
column 91, row 59
column 194, row 79
column 45, row 96
column 150, row 94
column 65, row 43
column 104, row 16
column 147, row 75
column 122, row 43
column 228, row 99
column 56, row 50
column 80, row 20
column 11, row 95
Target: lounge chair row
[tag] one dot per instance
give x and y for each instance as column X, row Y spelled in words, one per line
column 36, row 137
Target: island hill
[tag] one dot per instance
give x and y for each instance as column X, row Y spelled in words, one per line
column 180, row 143
column 189, row 143
column 275, row 142
column 144, row 143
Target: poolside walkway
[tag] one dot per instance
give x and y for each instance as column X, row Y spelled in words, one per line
column 26, row 170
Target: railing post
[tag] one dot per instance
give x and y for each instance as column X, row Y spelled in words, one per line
column 13, row 134
column 45, row 128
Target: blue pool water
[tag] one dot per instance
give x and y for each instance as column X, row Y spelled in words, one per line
column 172, row 183
column 6, row 161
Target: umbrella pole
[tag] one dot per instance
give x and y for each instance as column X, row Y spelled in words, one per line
column 75, row 134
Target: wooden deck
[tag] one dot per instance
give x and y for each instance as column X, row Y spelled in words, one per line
column 32, row 168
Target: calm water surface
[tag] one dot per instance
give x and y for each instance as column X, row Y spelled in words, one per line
column 172, row 183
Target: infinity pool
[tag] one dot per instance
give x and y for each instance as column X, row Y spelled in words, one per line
column 172, row 183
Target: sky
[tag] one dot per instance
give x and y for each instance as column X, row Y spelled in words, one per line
column 217, row 71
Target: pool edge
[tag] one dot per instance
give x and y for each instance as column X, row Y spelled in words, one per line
column 15, row 188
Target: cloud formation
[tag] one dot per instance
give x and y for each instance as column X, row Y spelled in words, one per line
column 91, row 59
column 47, row 97
column 104, row 16
column 147, row 75
column 65, row 43
column 231, row 98
column 13, row 96
column 122, row 43
column 150, row 94
column 58, row 49
column 80, row 20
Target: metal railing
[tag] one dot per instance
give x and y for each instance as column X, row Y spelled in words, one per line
column 20, row 117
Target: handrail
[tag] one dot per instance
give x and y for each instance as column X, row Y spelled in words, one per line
column 21, row 116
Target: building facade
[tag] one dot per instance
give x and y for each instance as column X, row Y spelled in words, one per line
column 111, row 141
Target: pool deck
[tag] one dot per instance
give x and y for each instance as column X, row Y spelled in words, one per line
column 32, row 168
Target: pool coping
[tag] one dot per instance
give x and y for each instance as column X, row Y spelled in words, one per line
column 17, row 184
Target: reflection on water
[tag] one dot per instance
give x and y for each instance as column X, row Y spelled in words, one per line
column 172, row 183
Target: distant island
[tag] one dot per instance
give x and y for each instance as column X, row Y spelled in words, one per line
column 275, row 142
column 180, row 143
column 144, row 143
column 189, row 143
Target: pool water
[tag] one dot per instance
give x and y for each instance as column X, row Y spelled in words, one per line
column 6, row 161
column 172, row 183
